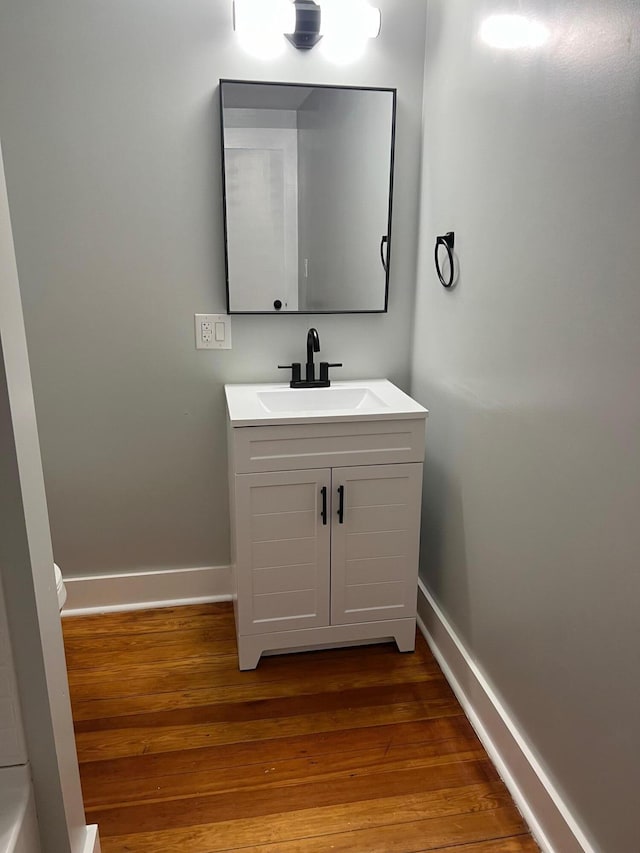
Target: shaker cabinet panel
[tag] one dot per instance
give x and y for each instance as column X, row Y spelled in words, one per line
column 284, row 579
column 289, row 550
column 283, row 550
column 372, row 597
column 270, row 527
column 374, row 549
column 299, row 607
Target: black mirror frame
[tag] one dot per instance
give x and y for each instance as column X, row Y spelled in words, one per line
column 386, row 258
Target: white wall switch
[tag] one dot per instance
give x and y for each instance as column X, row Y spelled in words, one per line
column 213, row 331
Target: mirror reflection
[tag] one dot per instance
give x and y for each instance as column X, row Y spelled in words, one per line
column 307, row 174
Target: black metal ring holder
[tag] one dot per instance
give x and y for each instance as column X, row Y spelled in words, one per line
column 447, row 240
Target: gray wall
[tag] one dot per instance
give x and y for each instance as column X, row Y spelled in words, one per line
column 110, row 128
column 530, row 370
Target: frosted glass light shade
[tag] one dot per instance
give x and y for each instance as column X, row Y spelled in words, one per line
column 260, row 25
column 346, row 26
column 355, row 17
column 272, row 16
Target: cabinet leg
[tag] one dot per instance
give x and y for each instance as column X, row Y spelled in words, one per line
column 248, row 654
column 406, row 638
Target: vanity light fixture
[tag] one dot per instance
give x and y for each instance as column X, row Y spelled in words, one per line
column 344, row 25
column 306, row 33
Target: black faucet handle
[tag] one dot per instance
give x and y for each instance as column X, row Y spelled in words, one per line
column 295, row 371
column 324, row 370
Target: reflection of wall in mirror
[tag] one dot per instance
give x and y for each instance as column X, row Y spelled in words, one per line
column 344, row 151
column 262, row 208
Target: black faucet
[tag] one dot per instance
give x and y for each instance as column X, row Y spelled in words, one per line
column 310, row 381
column 313, row 345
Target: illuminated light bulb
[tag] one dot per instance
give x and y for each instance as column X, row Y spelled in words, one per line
column 260, row 25
column 513, row 32
column 372, row 21
column 355, row 16
column 346, row 26
column 342, row 49
column 262, row 45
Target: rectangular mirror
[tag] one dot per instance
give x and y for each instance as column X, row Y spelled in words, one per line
column 307, row 178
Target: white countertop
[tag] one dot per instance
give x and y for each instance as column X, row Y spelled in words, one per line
column 360, row 399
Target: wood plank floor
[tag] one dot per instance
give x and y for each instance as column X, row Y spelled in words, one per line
column 356, row 750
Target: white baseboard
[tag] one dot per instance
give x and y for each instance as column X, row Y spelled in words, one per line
column 141, row 590
column 92, row 840
column 550, row 820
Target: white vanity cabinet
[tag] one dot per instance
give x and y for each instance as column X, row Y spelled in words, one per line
column 325, row 532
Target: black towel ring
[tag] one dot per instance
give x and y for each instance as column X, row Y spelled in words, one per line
column 446, row 240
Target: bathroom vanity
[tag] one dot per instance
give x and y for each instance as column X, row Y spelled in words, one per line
column 325, row 493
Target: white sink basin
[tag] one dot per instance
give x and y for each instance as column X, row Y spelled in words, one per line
column 370, row 399
column 335, row 398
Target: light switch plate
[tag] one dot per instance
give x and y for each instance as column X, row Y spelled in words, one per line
column 213, row 331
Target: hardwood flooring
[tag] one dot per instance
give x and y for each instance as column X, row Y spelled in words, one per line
column 353, row 750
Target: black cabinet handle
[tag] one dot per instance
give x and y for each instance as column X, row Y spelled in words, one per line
column 341, row 504
column 323, row 492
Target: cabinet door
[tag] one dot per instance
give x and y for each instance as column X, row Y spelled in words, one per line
column 283, row 550
column 374, row 549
